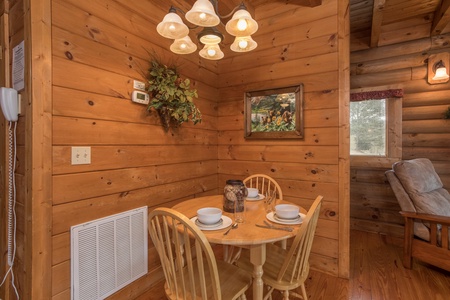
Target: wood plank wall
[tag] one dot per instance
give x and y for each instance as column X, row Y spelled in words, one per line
column 99, row 47
column 425, row 132
column 13, row 17
column 296, row 45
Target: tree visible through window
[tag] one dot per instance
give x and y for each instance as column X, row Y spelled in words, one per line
column 368, row 127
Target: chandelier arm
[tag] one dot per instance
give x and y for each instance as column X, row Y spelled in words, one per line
column 215, row 3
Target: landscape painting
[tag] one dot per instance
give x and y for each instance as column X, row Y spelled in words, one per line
column 274, row 113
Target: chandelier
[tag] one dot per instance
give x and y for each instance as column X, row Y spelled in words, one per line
column 204, row 13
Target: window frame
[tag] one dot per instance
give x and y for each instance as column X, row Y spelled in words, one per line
column 393, row 135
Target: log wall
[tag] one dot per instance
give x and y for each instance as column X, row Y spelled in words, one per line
column 425, row 132
column 292, row 50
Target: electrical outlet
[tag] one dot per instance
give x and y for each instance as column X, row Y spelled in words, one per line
column 81, row 155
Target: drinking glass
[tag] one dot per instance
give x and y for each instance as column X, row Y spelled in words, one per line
column 270, row 201
column 239, row 210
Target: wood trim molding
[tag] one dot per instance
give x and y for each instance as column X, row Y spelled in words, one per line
column 38, row 149
column 344, row 137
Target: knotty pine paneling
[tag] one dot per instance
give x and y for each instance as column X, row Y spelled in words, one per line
column 424, row 131
column 321, row 155
column 132, row 156
column 303, row 168
column 12, row 33
column 97, row 53
column 97, row 49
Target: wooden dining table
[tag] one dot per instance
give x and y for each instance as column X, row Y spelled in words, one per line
column 246, row 235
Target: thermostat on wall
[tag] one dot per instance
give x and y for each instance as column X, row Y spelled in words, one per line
column 140, row 97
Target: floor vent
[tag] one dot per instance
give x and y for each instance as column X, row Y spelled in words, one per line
column 108, row 253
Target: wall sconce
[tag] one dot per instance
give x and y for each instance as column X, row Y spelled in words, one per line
column 438, row 65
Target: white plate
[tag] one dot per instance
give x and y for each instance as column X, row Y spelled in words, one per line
column 226, row 221
column 293, row 220
column 200, row 224
column 270, row 217
column 260, row 197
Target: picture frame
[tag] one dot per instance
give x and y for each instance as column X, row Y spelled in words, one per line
column 274, row 113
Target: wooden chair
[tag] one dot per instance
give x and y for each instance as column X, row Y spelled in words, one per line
column 285, row 270
column 425, row 206
column 188, row 262
column 265, row 184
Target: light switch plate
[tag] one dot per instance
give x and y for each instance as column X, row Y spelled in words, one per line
column 81, row 155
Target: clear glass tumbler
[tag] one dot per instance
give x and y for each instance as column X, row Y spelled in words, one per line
column 239, row 210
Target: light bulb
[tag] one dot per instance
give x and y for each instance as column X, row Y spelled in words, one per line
column 172, row 27
column 183, row 46
column 242, row 24
column 243, row 44
column 202, row 16
column 211, row 52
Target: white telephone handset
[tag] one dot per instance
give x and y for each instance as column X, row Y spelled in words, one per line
column 9, row 103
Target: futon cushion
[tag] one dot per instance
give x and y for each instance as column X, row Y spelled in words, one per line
column 424, row 186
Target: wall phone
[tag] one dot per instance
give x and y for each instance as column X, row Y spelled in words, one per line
column 9, row 103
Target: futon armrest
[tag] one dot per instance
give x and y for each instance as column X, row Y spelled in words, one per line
column 443, row 220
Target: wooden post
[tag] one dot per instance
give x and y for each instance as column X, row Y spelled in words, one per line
column 344, row 138
column 38, row 149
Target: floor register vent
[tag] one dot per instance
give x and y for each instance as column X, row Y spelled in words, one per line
column 108, row 253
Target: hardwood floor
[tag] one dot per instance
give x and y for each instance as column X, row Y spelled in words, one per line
column 376, row 273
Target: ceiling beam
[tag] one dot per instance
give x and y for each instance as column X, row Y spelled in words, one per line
column 441, row 18
column 377, row 19
column 307, row 3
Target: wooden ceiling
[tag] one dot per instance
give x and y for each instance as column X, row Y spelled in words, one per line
column 373, row 23
column 376, row 23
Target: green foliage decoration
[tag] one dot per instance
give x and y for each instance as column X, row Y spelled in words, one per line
column 171, row 96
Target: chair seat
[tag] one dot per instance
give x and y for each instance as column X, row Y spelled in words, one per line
column 188, row 261
column 233, row 281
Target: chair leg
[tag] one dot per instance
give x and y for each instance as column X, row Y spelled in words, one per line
column 231, row 253
column 269, row 293
column 285, row 295
column 305, row 296
column 407, row 248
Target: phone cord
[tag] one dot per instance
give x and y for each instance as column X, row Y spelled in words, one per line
column 11, row 204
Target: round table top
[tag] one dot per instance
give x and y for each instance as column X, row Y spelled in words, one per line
column 246, row 233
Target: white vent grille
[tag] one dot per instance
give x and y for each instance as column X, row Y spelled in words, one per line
column 108, row 254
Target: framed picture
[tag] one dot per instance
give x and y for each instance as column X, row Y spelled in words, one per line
column 275, row 113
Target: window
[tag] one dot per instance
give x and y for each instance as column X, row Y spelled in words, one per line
column 376, row 127
column 368, row 127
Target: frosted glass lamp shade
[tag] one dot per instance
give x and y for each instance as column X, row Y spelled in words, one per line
column 211, row 52
column 210, row 35
column 183, row 46
column 202, row 14
column 243, row 44
column 241, row 24
column 440, row 71
column 172, row 27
